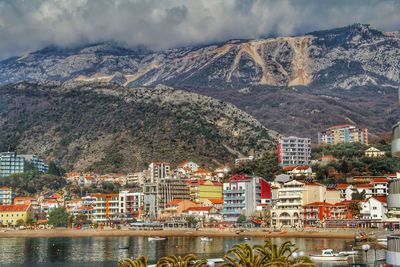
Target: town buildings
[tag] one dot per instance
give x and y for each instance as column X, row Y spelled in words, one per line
column 294, row 151
column 373, row 152
column 241, row 195
column 159, row 170
column 291, row 198
column 6, row 195
column 202, row 190
column 343, row 133
column 11, row 163
column 242, row 161
column 11, row 214
column 317, row 213
column 169, row 189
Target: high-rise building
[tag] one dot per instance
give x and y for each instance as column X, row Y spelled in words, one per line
column 159, row 170
column 10, row 164
column 343, row 133
column 170, row 189
column 294, row 151
column 241, row 195
column 36, row 162
column 393, row 206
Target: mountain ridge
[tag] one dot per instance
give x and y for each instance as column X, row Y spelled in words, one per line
column 106, row 127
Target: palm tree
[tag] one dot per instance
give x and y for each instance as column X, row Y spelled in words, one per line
column 188, row 260
column 243, row 255
column 267, row 255
column 138, row 262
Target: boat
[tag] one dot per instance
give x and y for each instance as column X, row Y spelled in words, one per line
column 329, row 255
column 382, row 241
column 127, row 247
column 157, row 238
column 246, row 238
column 206, row 239
column 349, row 253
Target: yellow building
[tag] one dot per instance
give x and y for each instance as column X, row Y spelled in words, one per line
column 202, row 190
column 10, row 214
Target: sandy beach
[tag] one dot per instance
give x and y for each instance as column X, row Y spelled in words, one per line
column 347, row 234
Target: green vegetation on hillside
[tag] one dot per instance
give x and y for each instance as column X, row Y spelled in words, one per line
column 32, row 182
column 350, row 161
column 266, row 167
column 109, row 128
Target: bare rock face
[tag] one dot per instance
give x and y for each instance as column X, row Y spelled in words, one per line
column 282, row 61
column 107, row 127
column 347, row 74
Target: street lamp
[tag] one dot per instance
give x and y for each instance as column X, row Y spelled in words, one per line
column 366, row 247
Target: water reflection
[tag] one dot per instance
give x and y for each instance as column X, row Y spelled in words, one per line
column 105, row 251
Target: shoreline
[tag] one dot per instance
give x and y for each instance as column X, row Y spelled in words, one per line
column 348, row 234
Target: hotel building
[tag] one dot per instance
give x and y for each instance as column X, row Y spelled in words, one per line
column 294, row 151
column 343, row 133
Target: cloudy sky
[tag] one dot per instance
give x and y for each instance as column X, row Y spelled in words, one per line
column 27, row 25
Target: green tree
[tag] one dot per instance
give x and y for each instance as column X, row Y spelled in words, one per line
column 191, row 220
column 58, row 217
column 358, row 195
column 266, row 167
column 355, row 209
column 241, row 219
column 19, row 222
column 55, row 170
column 80, row 218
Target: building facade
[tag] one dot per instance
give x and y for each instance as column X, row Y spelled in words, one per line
column 159, row 170
column 6, row 195
column 202, row 190
column 343, row 133
column 10, row 164
column 241, row 196
column 291, row 198
column 169, row 189
column 294, row 151
column 37, row 163
column 11, row 214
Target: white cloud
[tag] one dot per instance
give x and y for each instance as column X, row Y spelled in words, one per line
column 33, row 24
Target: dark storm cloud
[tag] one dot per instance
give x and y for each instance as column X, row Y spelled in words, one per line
column 32, row 24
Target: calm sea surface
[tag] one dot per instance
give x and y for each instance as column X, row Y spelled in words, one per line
column 105, row 251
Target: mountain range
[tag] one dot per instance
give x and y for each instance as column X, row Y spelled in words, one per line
column 295, row 85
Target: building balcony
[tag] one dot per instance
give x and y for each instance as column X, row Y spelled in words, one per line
column 234, row 198
column 231, row 212
column 233, row 191
column 234, row 205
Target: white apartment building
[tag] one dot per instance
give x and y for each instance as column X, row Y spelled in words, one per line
column 6, row 195
column 291, row 197
column 374, row 208
column 241, row 196
column 159, row 170
column 294, row 151
column 123, row 206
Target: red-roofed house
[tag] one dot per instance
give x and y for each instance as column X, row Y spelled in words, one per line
column 217, row 203
column 203, row 212
column 188, row 167
column 10, row 214
column 297, row 171
column 177, row 206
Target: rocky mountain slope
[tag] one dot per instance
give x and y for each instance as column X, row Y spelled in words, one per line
column 282, row 61
column 327, row 69
column 107, row 127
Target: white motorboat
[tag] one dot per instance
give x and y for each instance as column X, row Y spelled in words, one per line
column 206, row 239
column 329, row 255
column 349, row 253
column 157, row 238
column 382, row 241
